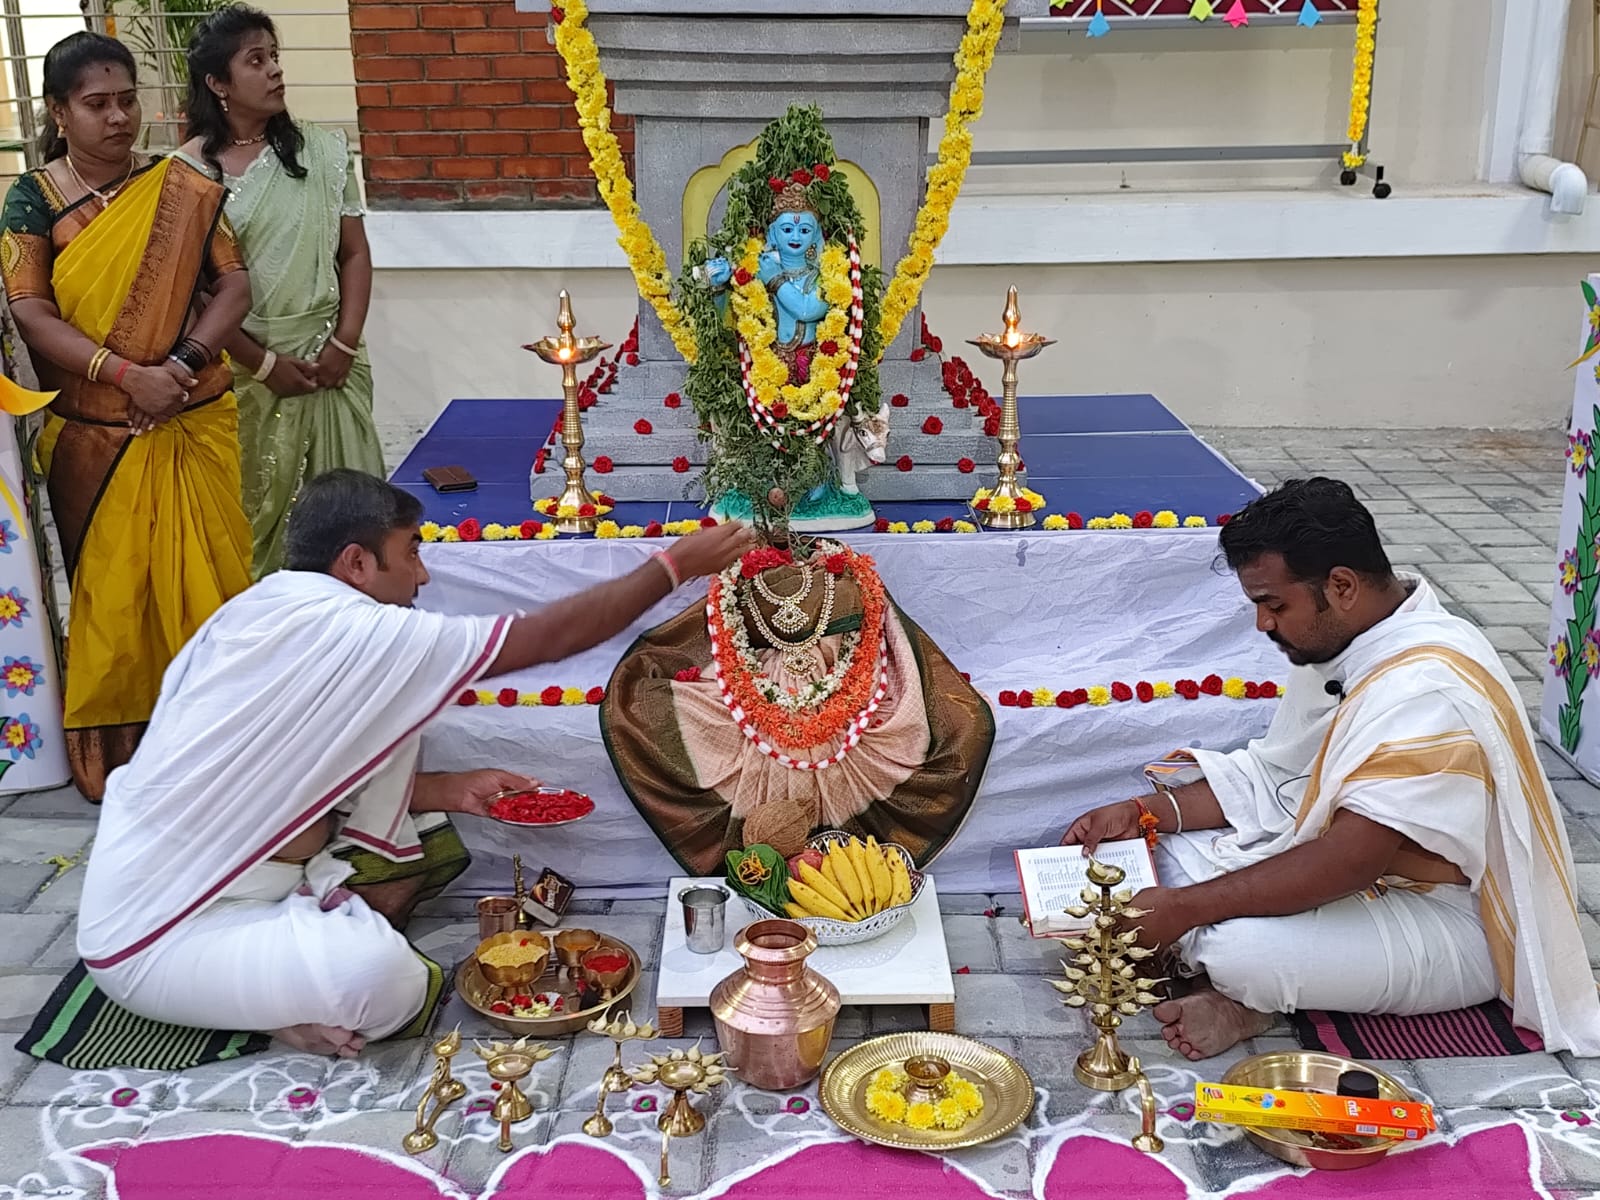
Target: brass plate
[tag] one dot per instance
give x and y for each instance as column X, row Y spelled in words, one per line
column 479, row 994
column 1312, row 1071
column 1007, row 1090
column 537, row 824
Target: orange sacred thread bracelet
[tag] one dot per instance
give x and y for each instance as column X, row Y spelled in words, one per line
column 1148, row 824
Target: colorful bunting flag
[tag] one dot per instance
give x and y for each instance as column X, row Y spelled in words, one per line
column 1309, row 15
column 1236, row 15
column 1200, row 9
column 1099, row 26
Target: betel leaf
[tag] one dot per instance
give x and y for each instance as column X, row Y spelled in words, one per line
column 762, row 874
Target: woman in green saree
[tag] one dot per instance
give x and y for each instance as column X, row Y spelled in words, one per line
column 300, row 370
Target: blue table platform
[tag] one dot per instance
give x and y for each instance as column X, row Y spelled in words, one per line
column 1093, row 455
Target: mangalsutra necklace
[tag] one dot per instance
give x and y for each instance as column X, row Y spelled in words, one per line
column 109, row 194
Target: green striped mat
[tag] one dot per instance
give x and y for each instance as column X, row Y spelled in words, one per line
column 82, row 1028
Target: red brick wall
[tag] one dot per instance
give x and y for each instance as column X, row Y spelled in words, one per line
column 463, row 105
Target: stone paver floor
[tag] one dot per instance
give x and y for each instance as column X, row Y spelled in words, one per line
column 1477, row 513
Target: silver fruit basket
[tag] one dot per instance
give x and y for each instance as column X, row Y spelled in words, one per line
column 846, row 933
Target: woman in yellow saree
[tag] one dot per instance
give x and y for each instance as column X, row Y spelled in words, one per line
column 103, row 253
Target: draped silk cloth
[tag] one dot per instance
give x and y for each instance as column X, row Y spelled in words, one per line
column 289, row 230
column 1430, row 740
column 706, row 788
column 151, row 527
column 291, row 698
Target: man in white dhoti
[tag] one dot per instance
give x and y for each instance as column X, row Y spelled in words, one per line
column 226, row 883
column 1391, row 844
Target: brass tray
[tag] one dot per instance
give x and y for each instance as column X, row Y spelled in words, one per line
column 1007, row 1090
column 479, row 993
column 1312, row 1071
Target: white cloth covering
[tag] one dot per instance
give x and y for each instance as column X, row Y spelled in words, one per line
column 1397, row 951
column 1015, row 610
column 1430, row 740
column 267, row 955
column 290, row 699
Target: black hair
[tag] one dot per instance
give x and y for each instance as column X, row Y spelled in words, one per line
column 64, row 65
column 1315, row 524
column 342, row 508
column 211, row 49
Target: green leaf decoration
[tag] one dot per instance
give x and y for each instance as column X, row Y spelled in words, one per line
column 742, row 458
column 1589, row 295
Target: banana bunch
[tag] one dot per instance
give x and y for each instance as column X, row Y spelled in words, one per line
column 856, row 880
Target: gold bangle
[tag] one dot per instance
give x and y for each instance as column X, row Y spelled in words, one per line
column 98, row 361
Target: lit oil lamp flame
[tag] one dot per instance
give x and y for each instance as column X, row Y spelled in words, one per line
column 1012, row 318
column 564, row 353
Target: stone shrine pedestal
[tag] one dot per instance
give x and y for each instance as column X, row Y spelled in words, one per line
column 702, row 80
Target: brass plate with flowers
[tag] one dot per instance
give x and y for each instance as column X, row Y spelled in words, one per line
column 1006, row 1089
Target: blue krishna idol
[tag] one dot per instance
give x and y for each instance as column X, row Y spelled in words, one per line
column 786, row 316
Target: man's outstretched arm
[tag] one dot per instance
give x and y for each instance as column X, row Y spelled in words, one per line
column 575, row 623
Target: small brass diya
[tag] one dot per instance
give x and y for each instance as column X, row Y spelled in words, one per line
column 683, row 1071
column 443, row 1090
column 619, row 1029
column 508, row 1065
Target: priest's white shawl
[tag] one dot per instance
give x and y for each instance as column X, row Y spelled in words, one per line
column 1285, row 788
column 289, row 698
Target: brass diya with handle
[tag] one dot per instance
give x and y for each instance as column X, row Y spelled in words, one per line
column 1313, row 1071
column 927, row 1058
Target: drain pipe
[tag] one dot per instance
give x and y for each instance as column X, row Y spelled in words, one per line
column 1565, row 181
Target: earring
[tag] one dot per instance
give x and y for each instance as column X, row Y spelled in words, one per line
column 224, row 103
column 811, row 253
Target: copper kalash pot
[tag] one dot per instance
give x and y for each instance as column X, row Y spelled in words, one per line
column 775, row 1014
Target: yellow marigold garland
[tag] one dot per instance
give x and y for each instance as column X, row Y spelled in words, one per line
column 648, row 262
column 985, row 20
column 1361, row 80
column 819, row 396
column 576, row 45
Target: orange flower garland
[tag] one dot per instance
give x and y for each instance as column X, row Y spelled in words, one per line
column 834, row 717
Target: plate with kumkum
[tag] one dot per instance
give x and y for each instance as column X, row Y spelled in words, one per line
column 562, row 999
column 926, row 1091
column 539, row 808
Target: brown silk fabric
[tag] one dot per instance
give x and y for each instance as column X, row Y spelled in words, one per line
column 644, row 729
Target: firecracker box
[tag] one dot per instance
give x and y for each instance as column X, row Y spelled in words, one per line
column 1314, row 1112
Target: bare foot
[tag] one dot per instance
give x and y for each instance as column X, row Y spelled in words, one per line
column 322, row 1039
column 1205, row 1023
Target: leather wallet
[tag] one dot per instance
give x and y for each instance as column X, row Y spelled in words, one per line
column 450, row 479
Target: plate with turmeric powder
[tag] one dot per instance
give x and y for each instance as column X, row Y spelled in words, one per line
column 567, row 997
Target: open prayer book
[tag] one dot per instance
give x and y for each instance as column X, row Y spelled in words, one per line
column 1054, row 876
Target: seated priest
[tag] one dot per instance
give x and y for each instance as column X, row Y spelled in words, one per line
column 254, row 858
column 1391, row 844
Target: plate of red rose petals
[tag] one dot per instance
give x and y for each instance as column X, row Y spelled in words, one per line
column 542, row 806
